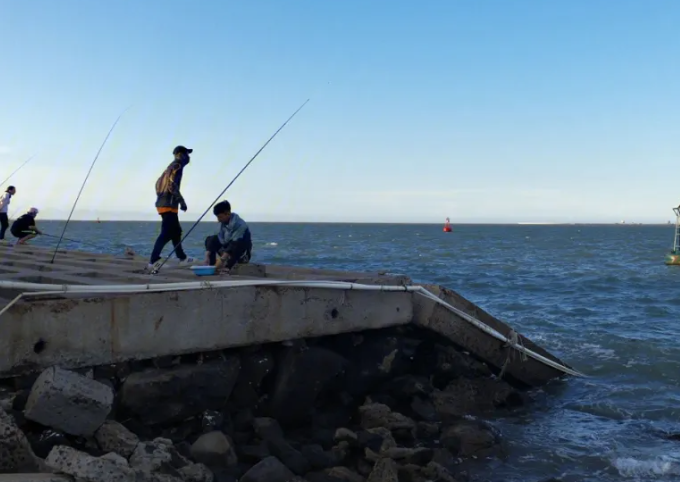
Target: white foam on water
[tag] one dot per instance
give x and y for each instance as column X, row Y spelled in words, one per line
column 272, row 244
column 599, row 352
column 634, row 468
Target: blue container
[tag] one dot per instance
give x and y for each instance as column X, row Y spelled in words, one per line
column 203, row 270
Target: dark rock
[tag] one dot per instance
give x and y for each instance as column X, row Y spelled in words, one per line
column 196, row 473
column 242, row 438
column 163, row 396
column 20, row 399
column 384, row 470
column 301, row 376
column 321, row 477
column 344, row 474
column 114, row 437
column 214, row 449
column 424, row 409
column 267, row 428
column 427, row 430
column 467, row 438
column 254, row 368
column 445, row 364
column 410, row 473
column 291, row 457
column 415, row 456
column 253, row 453
column 117, row 372
column 376, row 360
column 405, row 387
column 378, row 415
column 471, row 397
column 212, row 420
column 345, row 435
column 434, row 471
column 319, row 458
column 376, row 439
column 331, row 416
column 269, row 470
column 43, row 442
column 243, row 419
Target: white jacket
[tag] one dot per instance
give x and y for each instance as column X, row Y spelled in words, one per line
column 4, row 202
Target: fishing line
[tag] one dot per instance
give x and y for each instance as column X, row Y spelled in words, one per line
column 84, row 182
column 156, row 268
column 17, row 170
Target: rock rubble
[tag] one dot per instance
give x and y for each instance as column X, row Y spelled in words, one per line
column 382, row 406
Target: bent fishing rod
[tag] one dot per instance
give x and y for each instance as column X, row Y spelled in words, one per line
column 56, row 249
column 174, row 248
column 17, row 170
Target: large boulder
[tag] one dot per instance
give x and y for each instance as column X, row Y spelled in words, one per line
column 164, row 396
column 474, row 397
column 86, row 468
column 255, row 366
column 469, row 438
column 69, row 402
column 301, row 376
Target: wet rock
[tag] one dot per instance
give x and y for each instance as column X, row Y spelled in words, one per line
column 300, row 377
column 114, row 437
column 319, row 458
column 69, row 402
column 411, row 473
column 269, row 470
column 290, row 457
column 214, row 449
column 424, row 409
column 408, row 386
column 20, row 399
column 196, row 473
column 435, row 471
column 384, row 470
column 471, row 397
column 158, row 455
column 467, row 438
column 86, row 468
column 378, row 415
column 446, row 364
column 163, row 396
column 254, row 368
column 16, row 454
column 212, row 420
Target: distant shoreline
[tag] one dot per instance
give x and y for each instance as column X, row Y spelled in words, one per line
column 376, row 223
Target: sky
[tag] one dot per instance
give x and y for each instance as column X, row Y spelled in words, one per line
column 481, row 111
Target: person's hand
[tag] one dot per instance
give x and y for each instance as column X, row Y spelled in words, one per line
column 183, row 206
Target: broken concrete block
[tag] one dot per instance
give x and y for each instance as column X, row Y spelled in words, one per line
column 155, row 455
column 214, row 449
column 69, row 402
column 85, row 468
column 15, row 449
column 114, row 437
column 172, row 395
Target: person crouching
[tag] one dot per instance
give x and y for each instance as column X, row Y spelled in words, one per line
column 24, row 227
column 232, row 244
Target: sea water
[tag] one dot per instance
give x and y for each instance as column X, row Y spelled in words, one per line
column 599, row 297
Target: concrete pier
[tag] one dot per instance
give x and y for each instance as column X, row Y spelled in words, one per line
column 78, row 330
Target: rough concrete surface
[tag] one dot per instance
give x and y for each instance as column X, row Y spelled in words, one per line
column 70, row 402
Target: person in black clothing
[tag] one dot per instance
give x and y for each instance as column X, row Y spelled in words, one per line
column 24, row 227
column 168, row 202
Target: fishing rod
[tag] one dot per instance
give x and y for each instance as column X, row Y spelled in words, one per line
column 84, row 182
column 17, row 170
column 174, row 248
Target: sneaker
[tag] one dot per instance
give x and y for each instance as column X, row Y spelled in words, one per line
column 153, row 268
column 187, row 261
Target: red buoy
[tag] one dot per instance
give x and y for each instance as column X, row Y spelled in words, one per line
column 447, row 226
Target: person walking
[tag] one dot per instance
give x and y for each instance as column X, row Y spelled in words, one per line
column 169, row 201
column 4, row 208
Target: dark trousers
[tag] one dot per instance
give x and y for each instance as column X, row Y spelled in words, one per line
column 170, row 231
column 4, row 224
column 239, row 251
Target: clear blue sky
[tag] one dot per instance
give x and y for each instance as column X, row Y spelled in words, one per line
column 478, row 110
